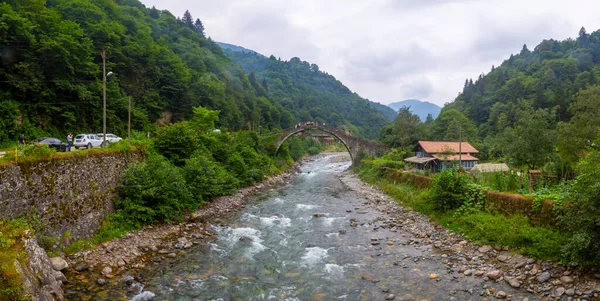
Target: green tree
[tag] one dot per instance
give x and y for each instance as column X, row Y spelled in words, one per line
column 583, row 215
column 204, row 119
column 406, row 130
column 576, row 135
column 531, row 141
column 199, row 27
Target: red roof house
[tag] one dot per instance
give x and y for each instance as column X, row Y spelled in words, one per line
column 438, row 155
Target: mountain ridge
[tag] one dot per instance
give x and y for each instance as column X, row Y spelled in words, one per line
column 311, row 94
column 418, row 107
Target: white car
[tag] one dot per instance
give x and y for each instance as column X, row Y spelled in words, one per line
column 87, row 140
column 112, row 138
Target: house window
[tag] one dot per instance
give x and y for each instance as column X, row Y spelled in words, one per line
column 420, row 155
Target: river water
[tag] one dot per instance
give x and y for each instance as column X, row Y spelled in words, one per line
column 296, row 242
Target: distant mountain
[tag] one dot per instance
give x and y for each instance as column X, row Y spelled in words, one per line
column 383, row 109
column 421, row 108
column 310, row 94
column 237, row 48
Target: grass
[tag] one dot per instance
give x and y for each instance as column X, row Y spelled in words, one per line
column 12, row 250
column 114, row 226
column 482, row 227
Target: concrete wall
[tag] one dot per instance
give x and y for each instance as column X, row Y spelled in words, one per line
column 67, row 197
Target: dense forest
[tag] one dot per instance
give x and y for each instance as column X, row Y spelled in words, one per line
column 538, row 109
column 311, row 94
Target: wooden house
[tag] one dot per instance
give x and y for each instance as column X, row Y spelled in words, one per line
column 438, row 155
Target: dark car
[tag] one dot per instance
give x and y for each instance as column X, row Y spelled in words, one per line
column 52, row 142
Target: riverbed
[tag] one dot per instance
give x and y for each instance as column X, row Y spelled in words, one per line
column 322, row 236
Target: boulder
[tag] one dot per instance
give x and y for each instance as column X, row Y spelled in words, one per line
column 485, row 249
column 58, row 264
column 494, row 275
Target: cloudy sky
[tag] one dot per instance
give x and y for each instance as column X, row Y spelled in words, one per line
column 391, row 50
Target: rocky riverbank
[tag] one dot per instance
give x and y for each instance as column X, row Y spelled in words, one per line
column 104, row 265
column 462, row 258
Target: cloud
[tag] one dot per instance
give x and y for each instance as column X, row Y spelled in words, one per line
column 389, row 50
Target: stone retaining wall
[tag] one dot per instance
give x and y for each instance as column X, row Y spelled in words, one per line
column 66, row 197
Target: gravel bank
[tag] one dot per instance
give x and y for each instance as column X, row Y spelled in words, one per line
column 463, row 258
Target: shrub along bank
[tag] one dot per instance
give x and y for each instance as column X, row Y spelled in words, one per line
column 461, row 206
column 190, row 164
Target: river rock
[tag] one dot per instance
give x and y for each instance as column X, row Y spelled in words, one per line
column 485, row 249
column 245, row 239
column 106, row 271
column 121, row 263
column 101, row 281
column 433, row 276
column 82, row 267
column 559, row 291
column 457, row 248
column 501, row 295
column 570, row 292
column 566, row 279
column 58, row 264
column 318, row 215
column 520, row 264
column 343, row 231
column 513, row 282
column 543, row 277
column 59, row 276
column 468, row 272
column 502, row 258
column 494, row 275
column 390, row 297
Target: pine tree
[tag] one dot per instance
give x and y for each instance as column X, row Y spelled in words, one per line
column 583, row 37
column 199, row 27
column 188, row 20
column 154, row 13
column 525, row 50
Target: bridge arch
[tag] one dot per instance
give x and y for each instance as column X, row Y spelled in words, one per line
column 290, row 132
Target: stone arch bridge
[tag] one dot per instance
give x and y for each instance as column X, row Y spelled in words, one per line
column 354, row 145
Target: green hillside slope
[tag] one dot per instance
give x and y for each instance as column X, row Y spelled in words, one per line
column 539, row 106
column 312, row 95
column 51, row 71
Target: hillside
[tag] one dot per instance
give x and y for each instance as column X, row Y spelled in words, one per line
column 226, row 46
column 51, row 72
column 311, row 94
column 538, row 101
column 421, row 108
column 383, row 109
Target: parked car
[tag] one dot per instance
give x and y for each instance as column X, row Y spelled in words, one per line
column 112, row 138
column 87, row 140
column 53, row 143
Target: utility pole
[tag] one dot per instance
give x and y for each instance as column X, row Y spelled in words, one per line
column 104, row 94
column 459, row 146
column 129, row 122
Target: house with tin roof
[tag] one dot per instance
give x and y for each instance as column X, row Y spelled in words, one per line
column 438, row 155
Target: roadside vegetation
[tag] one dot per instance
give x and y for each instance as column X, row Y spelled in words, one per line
column 188, row 164
column 457, row 200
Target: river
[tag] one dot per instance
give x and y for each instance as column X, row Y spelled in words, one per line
column 313, row 239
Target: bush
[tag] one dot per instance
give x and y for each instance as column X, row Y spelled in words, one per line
column 177, row 142
column 582, row 216
column 206, row 178
column 153, row 191
column 449, row 189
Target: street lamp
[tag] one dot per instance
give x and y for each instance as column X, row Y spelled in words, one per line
column 104, row 76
